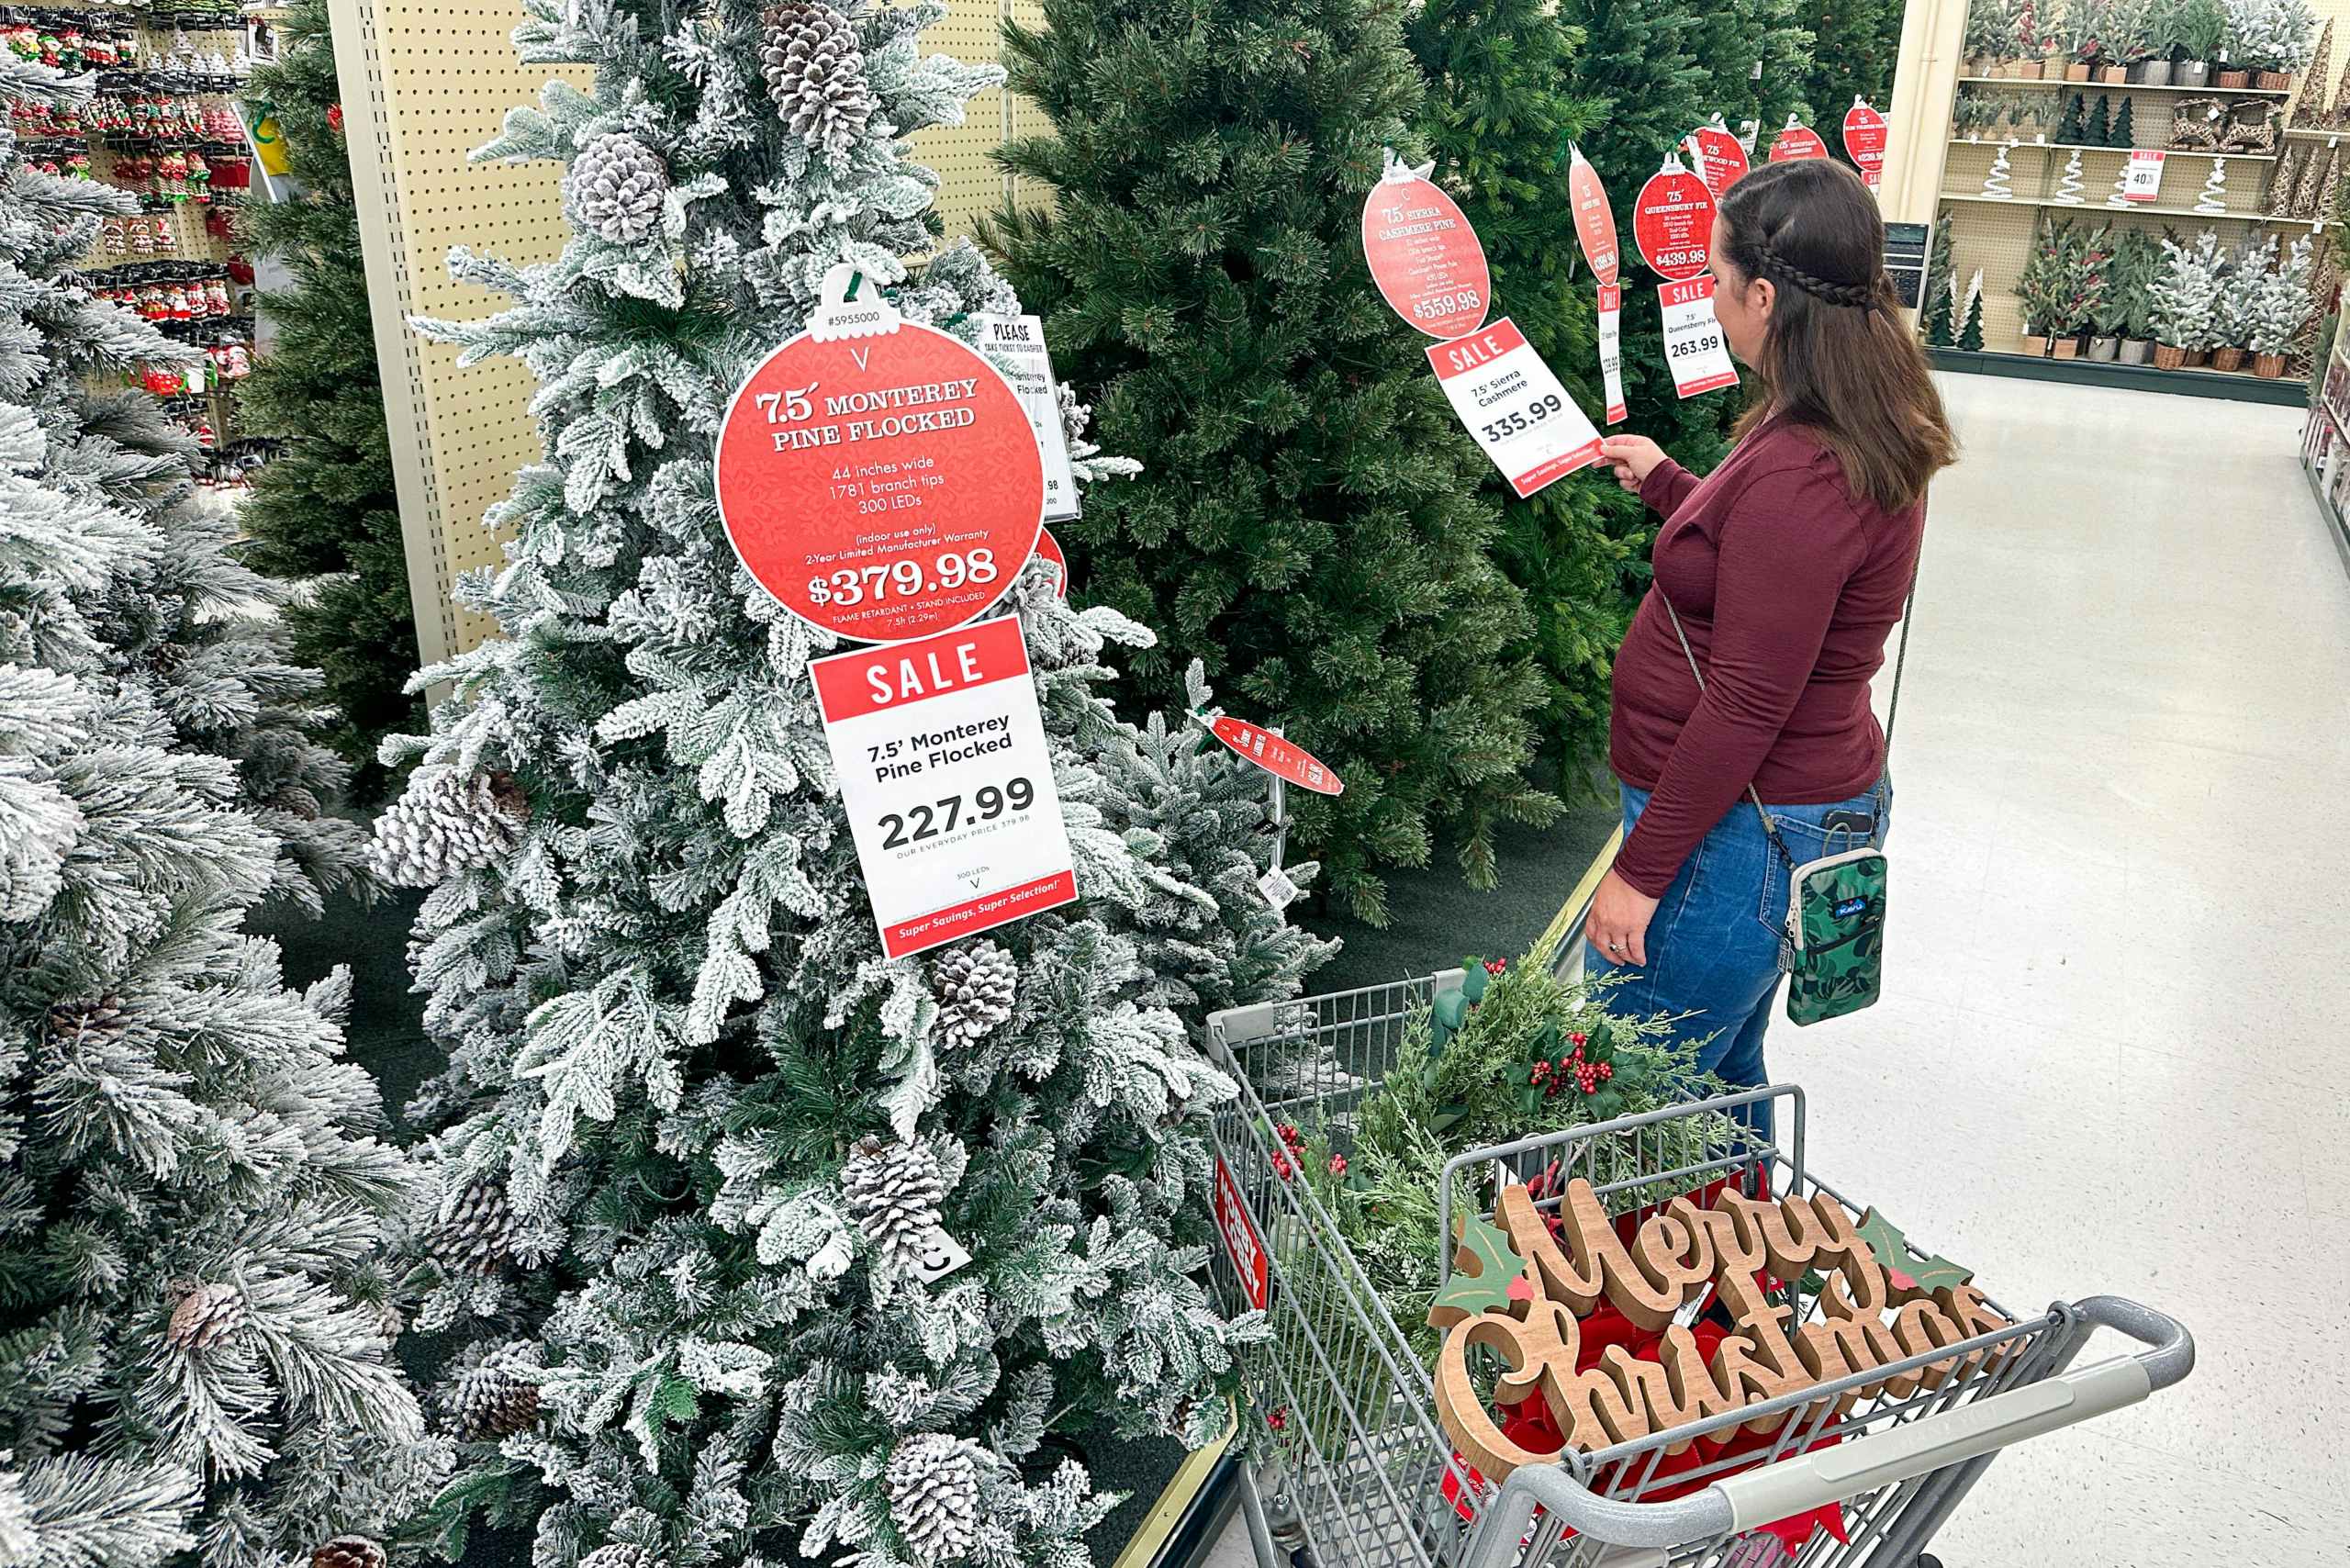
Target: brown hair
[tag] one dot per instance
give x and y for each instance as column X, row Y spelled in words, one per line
column 1839, row 362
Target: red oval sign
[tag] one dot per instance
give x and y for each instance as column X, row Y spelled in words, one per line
column 1594, row 219
column 1674, row 222
column 882, row 487
column 1720, row 158
column 1796, row 143
column 1049, row 549
column 1290, row 764
column 1425, row 258
column 1864, row 139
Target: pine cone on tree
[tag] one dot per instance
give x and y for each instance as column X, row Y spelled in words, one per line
column 204, row 1316
column 99, row 1023
column 495, row 1401
column 934, row 1496
column 444, row 824
column 974, row 986
column 478, row 1235
column 893, row 1192
column 619, row 1554
column 616, row 187
column 348, row 1552
column 815, row 73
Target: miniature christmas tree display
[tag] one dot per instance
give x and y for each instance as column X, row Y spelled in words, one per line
column 2068, row 184
column 2069, row 128
column 1970, row 315
column 2124, row 133
column 2099, row 131
column 2000, row 184
column 1940, row 312
column 2214, row 198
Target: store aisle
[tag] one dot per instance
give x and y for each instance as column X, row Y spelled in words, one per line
column 2110, row 1055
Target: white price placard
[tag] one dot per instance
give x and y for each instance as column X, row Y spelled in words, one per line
column 1611, row 349
column 940, row 752
column 1512, row 404
column 1692, row 339
column 1016, row 345
column 2143, row 180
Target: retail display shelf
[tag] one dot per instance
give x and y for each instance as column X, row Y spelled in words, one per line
column 2316, row 133
column 2013, row 146
column 2127, row 86
column 2237, row 385
column 2312, row 224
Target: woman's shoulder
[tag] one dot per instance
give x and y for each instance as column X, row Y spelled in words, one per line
column 1799, row 457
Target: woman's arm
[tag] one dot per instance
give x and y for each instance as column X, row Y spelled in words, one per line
column 1642, row 468
column 1786, row 549
column 1667, row 485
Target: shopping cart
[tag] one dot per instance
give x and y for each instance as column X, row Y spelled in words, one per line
column 1363, row 1477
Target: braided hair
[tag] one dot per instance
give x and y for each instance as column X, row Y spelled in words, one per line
column 1836, row 358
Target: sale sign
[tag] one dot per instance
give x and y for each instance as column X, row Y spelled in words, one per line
column 1514, row 405
column 879, row 479
column 1611, row 349
column 1796, row 143
column 1290, row 764
column 1424, row 255
column 1241, row 1242
column 1049, row 549
column 1673, row 221
column 1864, row 139
column 1719, row 156
column 1692, row 338
column 1594, row 219
column 940, row 752
column 1018, row 344
column 2143, row 180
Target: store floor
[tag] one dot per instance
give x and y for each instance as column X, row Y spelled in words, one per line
column 2110, row 1055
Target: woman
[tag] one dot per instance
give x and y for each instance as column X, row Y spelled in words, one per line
column 1788, row 567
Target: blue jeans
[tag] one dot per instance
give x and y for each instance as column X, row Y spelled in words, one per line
column 1712, row 944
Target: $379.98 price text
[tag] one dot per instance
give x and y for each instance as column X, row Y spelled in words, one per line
column 987, row 803
column 905, row 579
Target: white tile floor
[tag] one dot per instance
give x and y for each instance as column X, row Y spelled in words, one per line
column 2117, row 979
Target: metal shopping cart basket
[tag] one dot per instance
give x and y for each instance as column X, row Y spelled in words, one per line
column 1366, row 1478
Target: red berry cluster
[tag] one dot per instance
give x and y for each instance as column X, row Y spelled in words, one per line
column 1338, row 1165
column 1586, row 1074
column 1277, row 1419
column 1294, row 1142
column 1495, row 966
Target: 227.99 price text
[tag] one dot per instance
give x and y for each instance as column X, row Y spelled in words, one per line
column 987, row 803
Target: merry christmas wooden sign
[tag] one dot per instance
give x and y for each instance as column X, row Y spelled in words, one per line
column 1523, row 1291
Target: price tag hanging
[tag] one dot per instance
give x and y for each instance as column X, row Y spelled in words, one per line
column 1673, row 220
column 1018, row 344
column 1864, row 139
column 1796, row 143
column 1515, row 405
column 1611, row 349
column 1692, row 338
column 1719, row 157
column 1594, row 219
column 1423, row 254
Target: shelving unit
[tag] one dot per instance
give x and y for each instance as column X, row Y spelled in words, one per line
column 2139, row 207
column 2325, row 445
column 2105, row 147
column 2028, row 82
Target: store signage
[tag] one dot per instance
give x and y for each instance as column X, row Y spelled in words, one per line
column 1241, row 1242
column 1424, row 255
column 1796, row 143
column 1864, row 139
column 939, row 750
column 1290, row 764
column 1673, row 221
column 1594, row 219
column 1718, row 156
column 1524, row 1293
column 879, row 479
column 2142, row 179
column 1018, row 345
column 1611, row 349
column 1905, row 260
column 1514, row 405
column 1049, row 549
column 1692, row 338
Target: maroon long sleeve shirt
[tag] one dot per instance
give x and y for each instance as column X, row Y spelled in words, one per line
column 1788, row 586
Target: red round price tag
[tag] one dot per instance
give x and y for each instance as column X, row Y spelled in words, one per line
column 1594, row 219
column 1721, row 158
column 1864, row 139
column 1796, row 143
column 1292, row 764
column 1425, row 258
column 883, row 487
column 1049, row 549
column 1673, row 221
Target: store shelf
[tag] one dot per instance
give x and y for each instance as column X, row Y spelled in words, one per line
column 2240, row 386
column 2312, row 133
column 2335, row 524
column 2098, row 206
column 2123, row 87
column 1999, row 142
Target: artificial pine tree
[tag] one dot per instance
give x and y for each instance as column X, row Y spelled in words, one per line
column 2099, row 131
column 1855, row 44
column 692, row 1115
column 1730, row 39
column 1938, row 284
column 1970, row 331
column 1942, row 306
column 192, row 1199
column 2069, row 126
column 323, row 512
column 1310, row 518
column 1496, row 121
column 2124, row 131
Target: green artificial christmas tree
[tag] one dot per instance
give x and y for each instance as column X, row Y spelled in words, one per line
column 699, row 1137
column 1496, row 119
column 1855, row 44
column 2098, row 132
column 1970, row 315
column 1941, row 303
column 2069, row 124
column 2124, row 131
column 1732, row 39
column 1310, row 518
column 194, row 1205
column 323, row 512
column 1938, row 285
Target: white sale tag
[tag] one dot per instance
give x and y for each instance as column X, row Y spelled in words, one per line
column 1016, row 346
column 1280, row 891
column 1512, row 404
column 1611, row 349
column 2143, row 180
column 942, row 762
column 1692, row 339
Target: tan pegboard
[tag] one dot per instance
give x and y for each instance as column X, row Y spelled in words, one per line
column 969, row 184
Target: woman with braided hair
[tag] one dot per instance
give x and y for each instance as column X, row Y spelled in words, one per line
column 1786, row 568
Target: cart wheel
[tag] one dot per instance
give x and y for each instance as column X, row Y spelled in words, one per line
column 1926, row 1559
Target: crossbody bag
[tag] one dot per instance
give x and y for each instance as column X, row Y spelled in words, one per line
column 1833, row 945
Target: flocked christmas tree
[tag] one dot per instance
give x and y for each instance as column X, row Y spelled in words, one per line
column 193, row 1202
column 696, row 1133
column 323, row 511
column 1970, row 315
column 1310, row 518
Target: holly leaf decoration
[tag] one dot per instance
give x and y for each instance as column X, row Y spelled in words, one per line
column 1904, row 1267
column 1485, row 1248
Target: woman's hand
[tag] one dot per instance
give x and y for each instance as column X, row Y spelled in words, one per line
column 1633, row 456
column 1619, row 923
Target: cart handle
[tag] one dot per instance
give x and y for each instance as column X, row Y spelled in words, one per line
column 1805, row 1482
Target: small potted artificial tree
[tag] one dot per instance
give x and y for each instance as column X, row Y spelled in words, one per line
column 2082, row 261
column 2240, row 287
column 2105, row 325
column 2149, row 46
column 1991, row 28
column 2228, row 69
column 2029, row 41
column 2199, row 29
column 2271, row 39
column 2182, row 295
column 2040, row 290
column 2135, row 262
column 2084, row 35
column 2280, row 306
column 2122, row 24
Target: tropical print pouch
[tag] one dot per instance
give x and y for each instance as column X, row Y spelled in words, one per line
column 1835, row 934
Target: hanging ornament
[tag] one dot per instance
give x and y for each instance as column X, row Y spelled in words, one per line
column 1864, row 137
column 1795, row 142
column 2068, row 185
column 2000, row 184
column 2215, row 194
